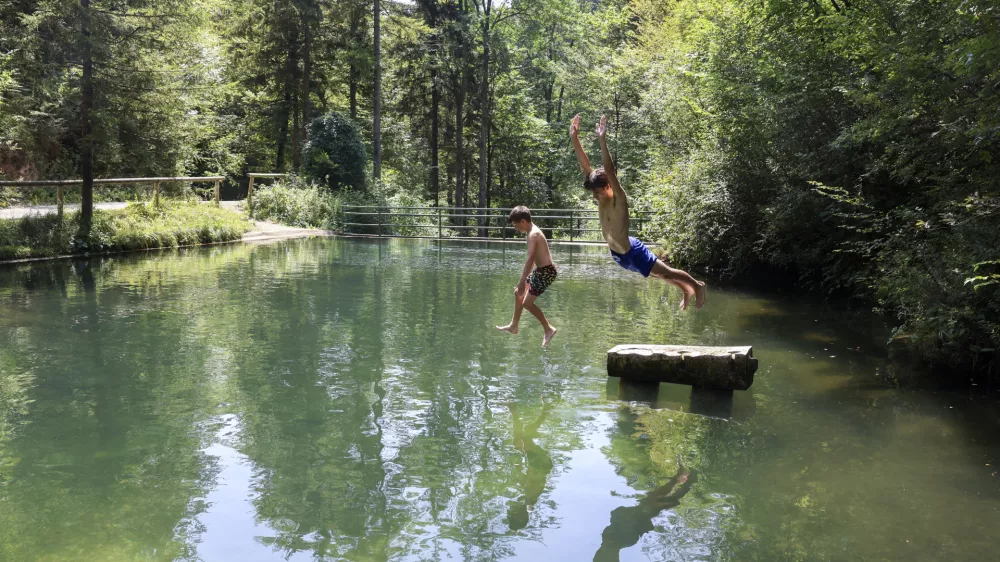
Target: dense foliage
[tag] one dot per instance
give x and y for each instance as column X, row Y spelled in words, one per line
column 849, row 144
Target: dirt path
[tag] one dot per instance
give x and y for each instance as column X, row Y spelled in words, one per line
column 267, row 231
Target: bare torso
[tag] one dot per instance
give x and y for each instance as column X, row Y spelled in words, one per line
column 614, row 223
column 542, row 255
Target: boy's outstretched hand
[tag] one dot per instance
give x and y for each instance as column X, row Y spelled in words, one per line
column 574, row 126
column 602, row 127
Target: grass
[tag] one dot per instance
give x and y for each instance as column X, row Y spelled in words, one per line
column 137, row 227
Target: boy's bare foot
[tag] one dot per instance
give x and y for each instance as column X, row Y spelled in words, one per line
column 548, row 337
column 508, row 328
column 700, row 292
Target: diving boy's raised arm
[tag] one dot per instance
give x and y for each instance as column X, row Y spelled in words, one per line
column 607, row 162
column 581, row 155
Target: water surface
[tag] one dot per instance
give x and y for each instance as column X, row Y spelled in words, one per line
column 351, row 400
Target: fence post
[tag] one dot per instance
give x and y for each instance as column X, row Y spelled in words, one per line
column 440, row 232
column 572, row 224
column 156, row 194
column 378, row 209
column 216, row 193
column 250, row 198
column 59, row 200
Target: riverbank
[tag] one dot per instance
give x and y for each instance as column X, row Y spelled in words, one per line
column 135, row 228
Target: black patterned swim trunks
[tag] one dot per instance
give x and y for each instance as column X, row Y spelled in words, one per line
column 541, row 278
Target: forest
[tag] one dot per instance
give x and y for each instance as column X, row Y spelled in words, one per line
column 847, row 148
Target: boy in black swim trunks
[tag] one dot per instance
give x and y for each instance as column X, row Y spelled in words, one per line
column 612, row 210
column 532, row 286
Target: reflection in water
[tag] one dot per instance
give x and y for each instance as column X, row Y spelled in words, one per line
column 725, row 404
column 336, row 400
column 537, row 464
column 629, row 524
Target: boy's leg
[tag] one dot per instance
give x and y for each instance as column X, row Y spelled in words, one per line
column 690, row 286
column 518, row 306
column 529, row 304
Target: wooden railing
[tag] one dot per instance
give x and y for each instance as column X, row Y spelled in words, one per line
column 253, row 177
column 60, row 184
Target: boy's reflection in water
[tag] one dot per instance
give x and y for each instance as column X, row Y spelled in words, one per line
column 629, row 524
column 537, row 463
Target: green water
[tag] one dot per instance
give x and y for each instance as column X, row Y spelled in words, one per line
column 351, row 400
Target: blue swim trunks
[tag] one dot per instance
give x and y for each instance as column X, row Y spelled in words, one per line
column 638, row 259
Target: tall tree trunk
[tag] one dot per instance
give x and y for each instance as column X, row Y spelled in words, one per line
column 285, row 111
column 296, row 133
column 306, row 78
column 353, row 81
column 448, row 184
column 377, row 102
column 459, row 142
column 484, row 105
column 489, row 168
column 435, row 108
column 435, row 115
column 562, row 90
column 286, row 103
column 86, row 139
column 549, row 91
column 549, row 180
column 354, row 73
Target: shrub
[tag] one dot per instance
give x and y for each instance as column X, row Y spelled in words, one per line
column 335, row 154
column 297, row 205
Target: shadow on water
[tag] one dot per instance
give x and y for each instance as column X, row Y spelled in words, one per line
column 724, row 404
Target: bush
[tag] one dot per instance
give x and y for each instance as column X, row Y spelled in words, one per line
column 302, row 206
column 335, row 154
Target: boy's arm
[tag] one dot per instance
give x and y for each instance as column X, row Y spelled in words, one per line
column 607, row 162
column 581, row 155
column 532, row 243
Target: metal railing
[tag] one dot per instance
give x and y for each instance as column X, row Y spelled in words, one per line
column 485, row 223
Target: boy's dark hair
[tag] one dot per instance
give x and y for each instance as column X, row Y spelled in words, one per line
column 519, row 213
column 596, row 180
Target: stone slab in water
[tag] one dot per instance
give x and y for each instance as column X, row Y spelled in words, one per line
column 729, row 368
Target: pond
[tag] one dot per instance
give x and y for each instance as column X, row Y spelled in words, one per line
column 337, row 399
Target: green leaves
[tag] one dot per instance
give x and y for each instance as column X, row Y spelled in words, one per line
column 985, row 279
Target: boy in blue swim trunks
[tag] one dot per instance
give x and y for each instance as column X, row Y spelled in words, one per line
column 533, row 281
column 612, row 209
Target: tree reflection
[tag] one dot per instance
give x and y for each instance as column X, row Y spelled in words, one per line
column 104, row 447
